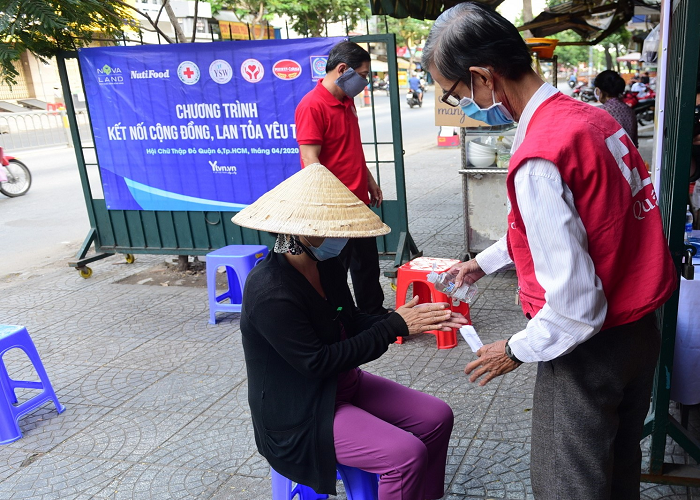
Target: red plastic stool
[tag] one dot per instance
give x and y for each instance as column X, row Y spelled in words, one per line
column 415, row 273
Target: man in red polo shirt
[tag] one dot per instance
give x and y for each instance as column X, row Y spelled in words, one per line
column 328, row 133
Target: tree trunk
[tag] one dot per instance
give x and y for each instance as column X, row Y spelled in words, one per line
column 194, row 24
column 183, row 263
column 258, row 20
column 527, row 11
column 179, row 34
column 617, row 54
column 608, row 57
column 527, row 16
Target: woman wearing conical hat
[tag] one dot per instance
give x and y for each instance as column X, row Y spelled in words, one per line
column 303, row 338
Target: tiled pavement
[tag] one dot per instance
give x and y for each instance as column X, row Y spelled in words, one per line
column 156, row 397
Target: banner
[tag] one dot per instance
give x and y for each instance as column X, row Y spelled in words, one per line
column 206, row 126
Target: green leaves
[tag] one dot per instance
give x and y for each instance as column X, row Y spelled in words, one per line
column 310, row 17
column 46, row 26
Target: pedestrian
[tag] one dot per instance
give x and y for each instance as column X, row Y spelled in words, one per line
column 609, row 87
column 328, row 132
column 593, row 265
column 303, row 340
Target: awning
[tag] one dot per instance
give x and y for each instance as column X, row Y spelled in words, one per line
column 593, row 20
column 378, row 66
column 631, row 57
column 419, row 9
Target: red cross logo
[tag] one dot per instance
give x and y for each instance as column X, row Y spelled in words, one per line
column 188, row 72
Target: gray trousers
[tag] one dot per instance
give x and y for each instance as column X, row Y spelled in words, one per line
column 588, row 413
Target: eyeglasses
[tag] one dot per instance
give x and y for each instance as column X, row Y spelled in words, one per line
column 449, row 97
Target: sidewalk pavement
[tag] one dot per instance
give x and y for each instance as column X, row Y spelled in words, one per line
column 156, row 404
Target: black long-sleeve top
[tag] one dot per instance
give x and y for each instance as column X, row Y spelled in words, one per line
column 294, row 353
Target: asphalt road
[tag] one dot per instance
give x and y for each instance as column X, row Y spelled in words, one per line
column 50, row 222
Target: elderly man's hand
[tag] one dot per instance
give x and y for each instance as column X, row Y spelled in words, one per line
column 492, row 363
column 467, row 272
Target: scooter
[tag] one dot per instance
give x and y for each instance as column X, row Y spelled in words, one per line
column 587, row 94
column 15, row 177
column 413, row 99
column 381, row 85
column 644, row 107
column 576, row 94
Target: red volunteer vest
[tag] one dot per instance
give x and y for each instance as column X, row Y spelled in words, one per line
column 615, row 199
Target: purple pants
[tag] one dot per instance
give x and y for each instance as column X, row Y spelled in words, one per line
column 388, row 429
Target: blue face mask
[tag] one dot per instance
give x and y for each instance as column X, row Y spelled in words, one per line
column 331, row 247
column 496, row 114
column 351, row 83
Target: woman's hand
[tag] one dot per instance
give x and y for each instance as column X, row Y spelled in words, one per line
column 424, row 317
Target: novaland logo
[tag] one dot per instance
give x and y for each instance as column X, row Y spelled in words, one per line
column 149, row 74
column 109, row 75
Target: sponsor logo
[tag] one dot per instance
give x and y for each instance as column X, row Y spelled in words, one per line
column 109, row 75
column 318, row 67
column 286, row 69
column 252, row 70
column 222, row 169
column 220, row 71
column 149, row 74
column 188, row 72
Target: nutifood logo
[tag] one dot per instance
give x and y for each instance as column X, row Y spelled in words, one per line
column 109, row 75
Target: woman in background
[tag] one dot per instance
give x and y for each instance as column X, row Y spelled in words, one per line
column 609, row 87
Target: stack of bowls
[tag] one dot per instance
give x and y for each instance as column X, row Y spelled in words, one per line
column 480, row 155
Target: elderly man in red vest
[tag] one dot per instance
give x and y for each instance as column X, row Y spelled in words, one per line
column 585, row 235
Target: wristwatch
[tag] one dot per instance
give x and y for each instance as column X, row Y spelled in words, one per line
column 510, row 354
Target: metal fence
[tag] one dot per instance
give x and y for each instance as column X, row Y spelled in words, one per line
column 36, row 129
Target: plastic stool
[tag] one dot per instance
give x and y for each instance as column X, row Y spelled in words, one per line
column 238, row 261
column 17, row 337
column 415, row 273
column 359, row 485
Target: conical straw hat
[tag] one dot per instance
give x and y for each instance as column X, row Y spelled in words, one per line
column 312, row 202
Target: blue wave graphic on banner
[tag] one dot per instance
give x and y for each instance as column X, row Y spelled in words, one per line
column 150, row 198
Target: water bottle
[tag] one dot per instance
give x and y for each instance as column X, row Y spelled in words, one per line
column 445, row 283
column 688, row 224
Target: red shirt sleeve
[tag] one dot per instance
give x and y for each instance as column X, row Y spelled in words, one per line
column 310, row 124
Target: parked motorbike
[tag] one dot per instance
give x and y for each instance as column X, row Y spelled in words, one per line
column 576, row 94
column 381, row 85
column 413, row 99
column 587, row 94
column 643, row 106
column 15, row 177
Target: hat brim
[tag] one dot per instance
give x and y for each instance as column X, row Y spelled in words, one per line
column 312, row 202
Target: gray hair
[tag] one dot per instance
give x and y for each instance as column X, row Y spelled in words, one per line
column 471, row 34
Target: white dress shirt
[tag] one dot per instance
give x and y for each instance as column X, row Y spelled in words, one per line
column 575, row 305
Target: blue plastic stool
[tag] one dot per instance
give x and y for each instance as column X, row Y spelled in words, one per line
column 359, row 485
column 238, row 261
column 17, row 337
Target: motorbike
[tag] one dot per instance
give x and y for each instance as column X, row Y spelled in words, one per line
column 643, row 106
column 413, row 99
column 15, row 177
column 587, row 94
column 381, row 85
column 572, row 84
column 576, row 94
